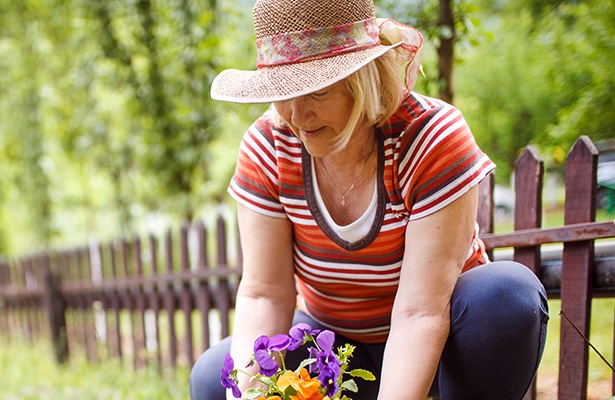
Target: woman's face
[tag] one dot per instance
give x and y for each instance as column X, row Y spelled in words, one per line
column 317, row 119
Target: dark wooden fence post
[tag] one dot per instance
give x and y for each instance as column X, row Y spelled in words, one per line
column 115, row 305
column 202, row 295
column 106, row 295
column 169, row 299
column 484, row 216
column 4, row 314
column 86, row 303
column 63, row 265
column 140, row 344
column 39, row 279
column 25, row 301
column 56, row 309
column 186, row 293
column 528, row 213
column 154, row 299
column 128, row 300
column 528, row 203
column 11, row 311
column 577, row 273
column 223, row 295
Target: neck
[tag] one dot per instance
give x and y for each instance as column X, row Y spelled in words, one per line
column 343, row 176
column 360, row 147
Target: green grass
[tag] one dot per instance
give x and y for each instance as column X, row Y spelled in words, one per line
column 28, row 372
column 601, row 337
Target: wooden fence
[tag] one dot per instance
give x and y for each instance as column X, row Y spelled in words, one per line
column 151, row 301
column 159, row 301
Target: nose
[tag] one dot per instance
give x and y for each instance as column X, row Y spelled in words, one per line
column 296, row 111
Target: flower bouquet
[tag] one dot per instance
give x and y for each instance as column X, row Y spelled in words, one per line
column 322, row 376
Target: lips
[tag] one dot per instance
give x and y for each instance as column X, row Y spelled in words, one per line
column 311, row 132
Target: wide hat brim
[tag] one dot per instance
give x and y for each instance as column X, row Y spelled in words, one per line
column 287, row 81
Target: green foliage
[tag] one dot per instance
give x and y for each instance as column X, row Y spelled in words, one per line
column 108, row 117
column 29, row 372
column 503, row 88
column 587, row 79
column 21, row 144
column 423, row 15
column 544, row 78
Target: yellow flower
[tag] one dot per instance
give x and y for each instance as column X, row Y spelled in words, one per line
column 306, row 387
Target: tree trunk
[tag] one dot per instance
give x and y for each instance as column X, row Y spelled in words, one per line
column 446, row 25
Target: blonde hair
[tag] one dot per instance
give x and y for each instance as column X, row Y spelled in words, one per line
column 377, row 89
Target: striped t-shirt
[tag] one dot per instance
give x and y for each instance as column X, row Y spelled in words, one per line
column 427, row 158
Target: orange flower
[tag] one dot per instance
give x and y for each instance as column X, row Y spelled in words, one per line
column 306, row 387
column 269, row 398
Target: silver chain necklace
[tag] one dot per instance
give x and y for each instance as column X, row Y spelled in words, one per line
column 356, row 179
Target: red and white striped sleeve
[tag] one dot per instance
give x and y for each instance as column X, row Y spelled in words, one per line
column 255, row 182
column 439, row 161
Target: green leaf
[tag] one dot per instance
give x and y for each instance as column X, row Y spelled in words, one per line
column 267, row 380
column 350, row 385
column 475, row 21
column 252, row 393
column 362, row 373
column 304, row 364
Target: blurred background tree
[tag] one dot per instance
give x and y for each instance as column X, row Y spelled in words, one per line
column 107, row 128
column 106, row 116
column 542, row 75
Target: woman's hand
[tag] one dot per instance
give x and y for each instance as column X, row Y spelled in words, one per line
column 435, row 251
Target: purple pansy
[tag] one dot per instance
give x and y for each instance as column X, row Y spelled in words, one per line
column 327, row 365
column 328, row 377
column 263, row 346
column 227, row 376
column 325, row 341
column 298, row 333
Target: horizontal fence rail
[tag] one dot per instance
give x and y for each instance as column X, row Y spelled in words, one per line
column 163, row 300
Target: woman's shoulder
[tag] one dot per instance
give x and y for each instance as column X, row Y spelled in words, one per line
column 422, row 118
column 416, row 105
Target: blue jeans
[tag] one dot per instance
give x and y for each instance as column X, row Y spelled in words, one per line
column 499, row 317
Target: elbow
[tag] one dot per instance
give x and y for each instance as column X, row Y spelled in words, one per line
column 260, row 294
column 432, row 322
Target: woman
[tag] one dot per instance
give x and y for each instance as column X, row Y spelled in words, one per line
column 357, row 204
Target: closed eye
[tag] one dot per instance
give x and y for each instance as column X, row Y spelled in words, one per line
column 321, row 94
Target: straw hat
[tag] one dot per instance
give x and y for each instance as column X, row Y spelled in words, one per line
column 306, row 45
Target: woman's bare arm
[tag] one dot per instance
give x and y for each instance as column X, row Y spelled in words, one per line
column 436, row 248
column 266, row 297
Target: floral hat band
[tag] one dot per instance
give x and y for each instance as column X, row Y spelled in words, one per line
column 291, row 47
column 311, row 44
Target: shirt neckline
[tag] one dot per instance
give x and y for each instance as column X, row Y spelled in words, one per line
column 321, row 222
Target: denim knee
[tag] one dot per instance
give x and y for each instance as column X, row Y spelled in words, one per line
column 499, row 315
column 503, row 292
column 205, row 375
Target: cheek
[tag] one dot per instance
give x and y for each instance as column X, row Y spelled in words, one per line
column 340, row 111
column 283, row 110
